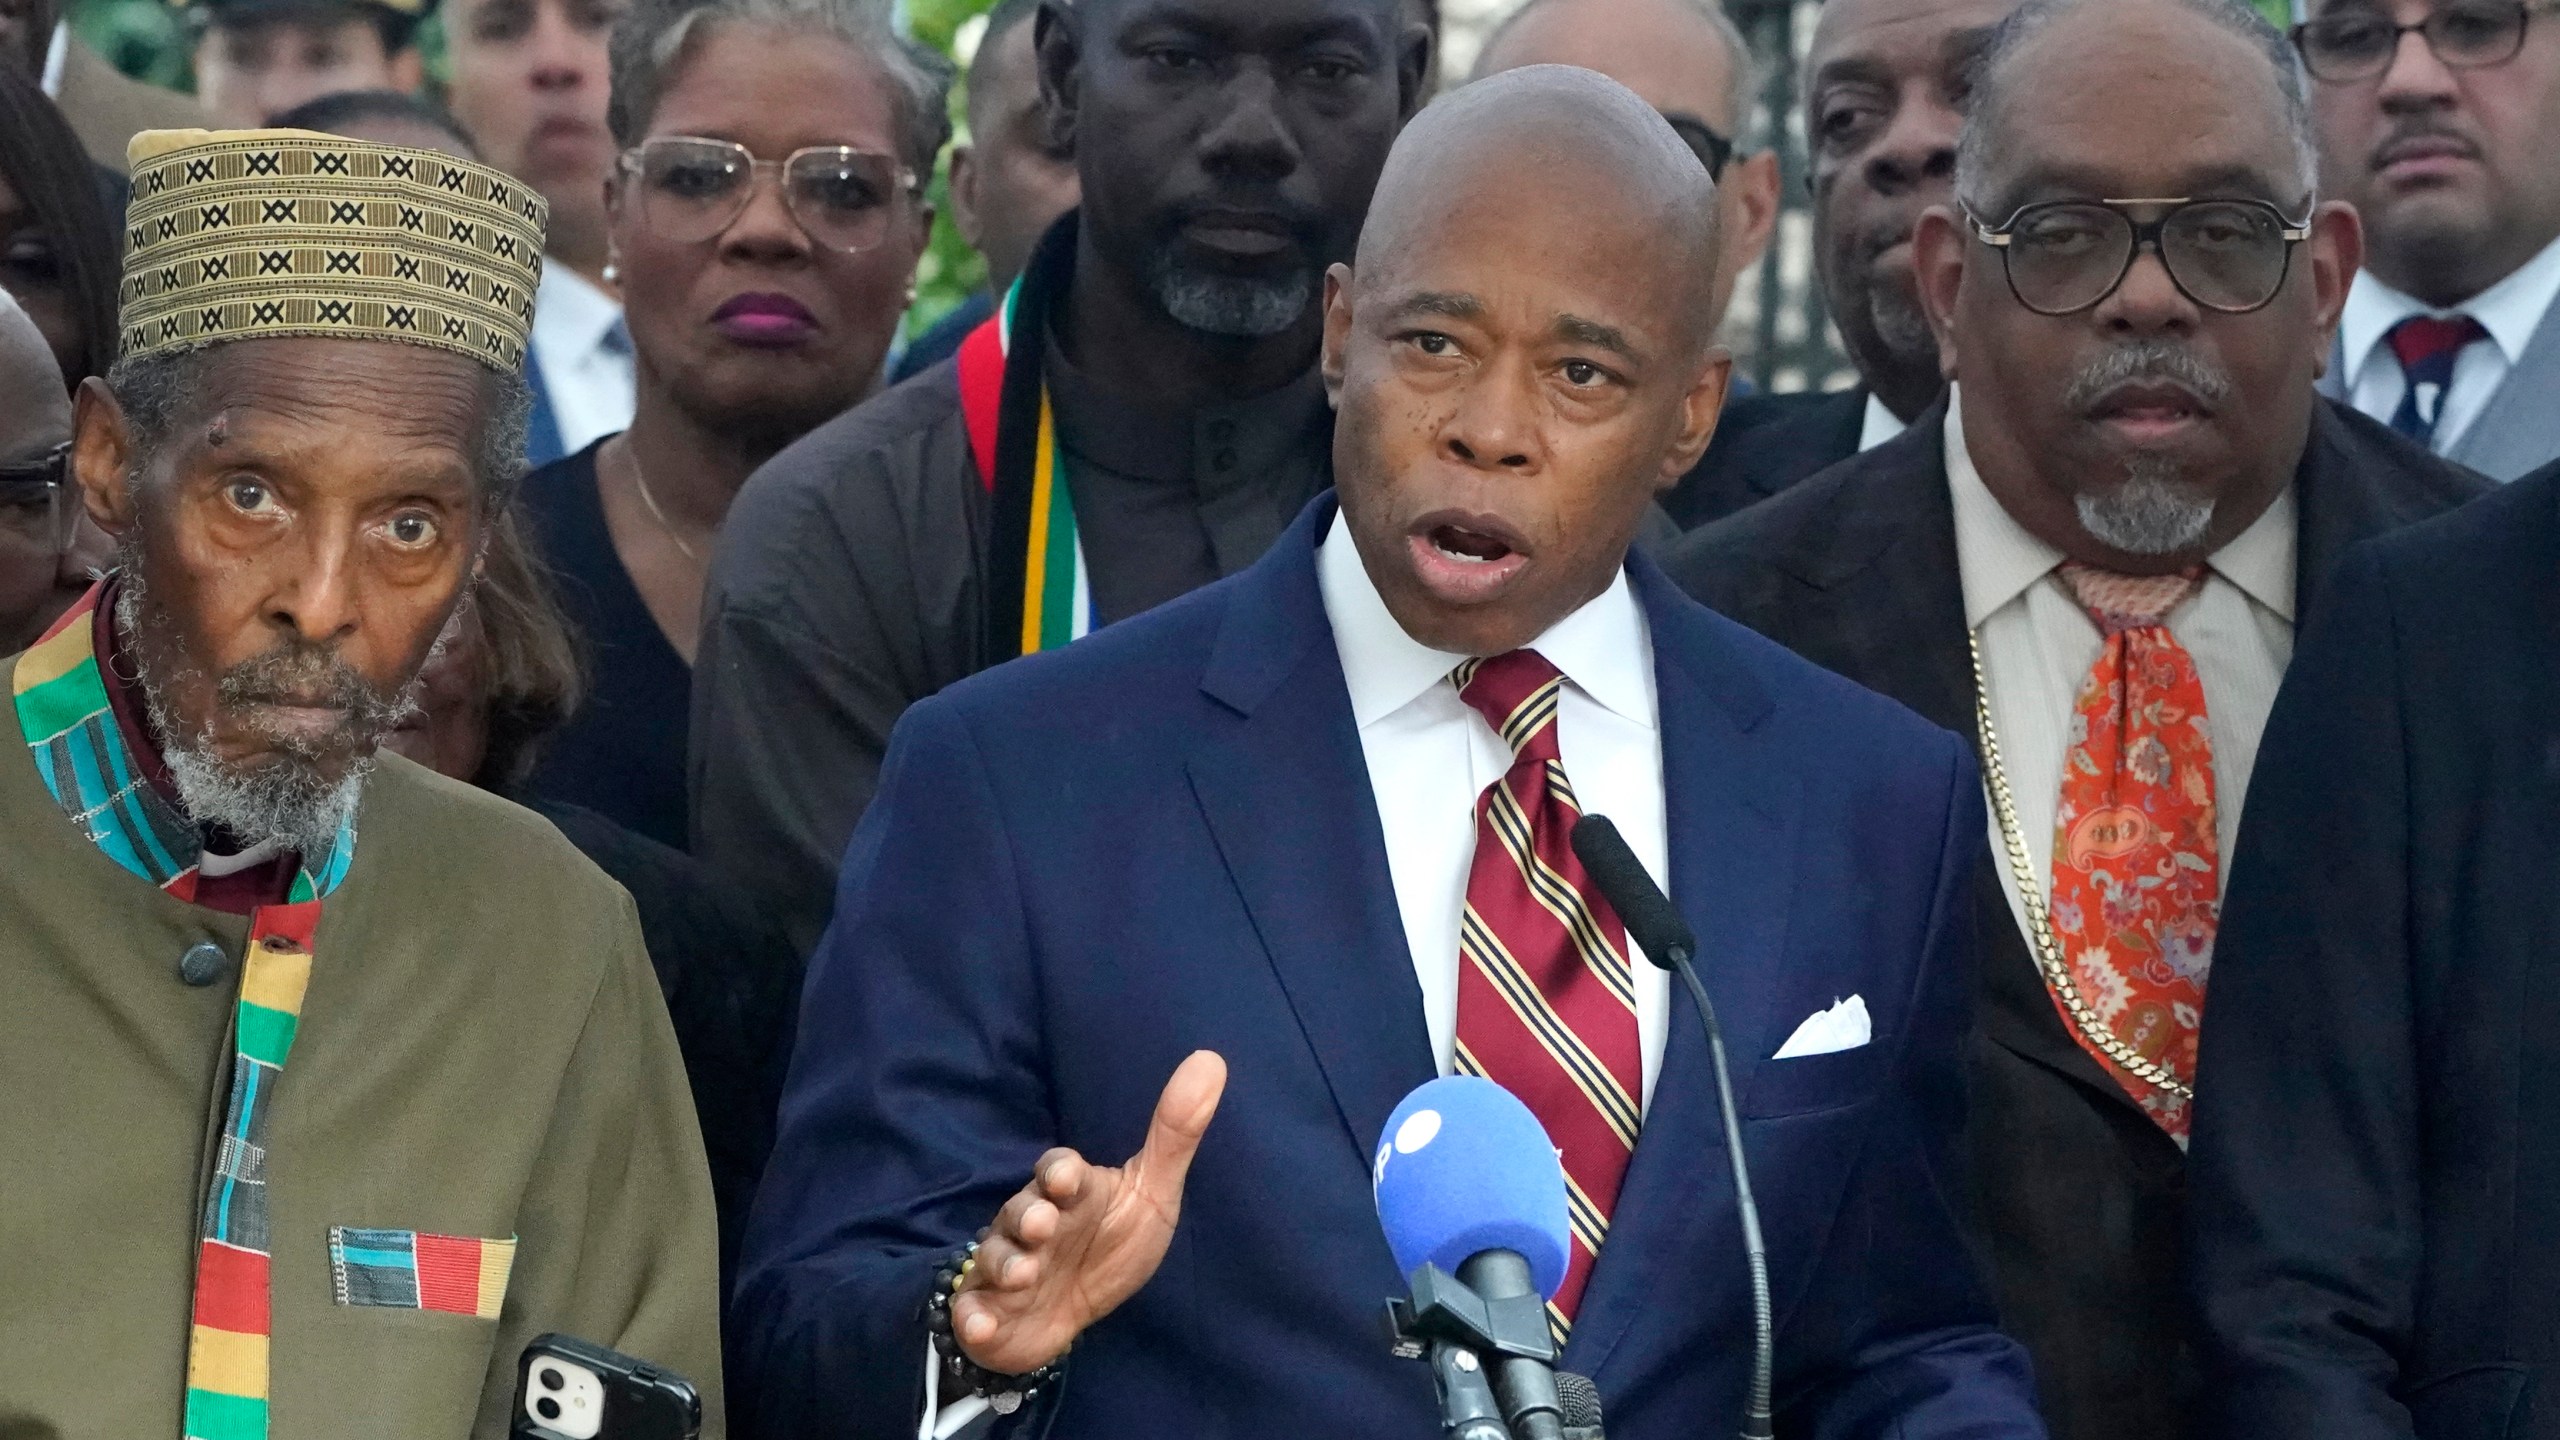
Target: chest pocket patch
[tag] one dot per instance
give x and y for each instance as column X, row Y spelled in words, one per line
column 408, row 1270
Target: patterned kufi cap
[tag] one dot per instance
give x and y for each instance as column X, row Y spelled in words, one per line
column 245, row 234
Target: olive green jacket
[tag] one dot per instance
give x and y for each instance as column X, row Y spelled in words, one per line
column 482, row 1053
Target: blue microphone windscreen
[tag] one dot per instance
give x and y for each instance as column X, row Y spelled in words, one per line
column 1463, row 1168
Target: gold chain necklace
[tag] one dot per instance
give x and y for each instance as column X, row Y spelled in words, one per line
column 640, row 482
column 2048, row 953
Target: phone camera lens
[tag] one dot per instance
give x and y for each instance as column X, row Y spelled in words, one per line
column 547, row 1408
column 550, row 1377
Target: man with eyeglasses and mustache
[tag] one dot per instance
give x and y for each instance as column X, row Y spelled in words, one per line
column 2091, row 558
column 1142, row 417
column 2438, row 121
column 333, row 1083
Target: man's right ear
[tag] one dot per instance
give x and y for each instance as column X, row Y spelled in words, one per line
column 1057, row 47
column 1337, row 331
column 1937, row 263
column 101, row 456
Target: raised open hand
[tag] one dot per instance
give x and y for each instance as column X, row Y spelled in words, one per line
column 1081, row 1238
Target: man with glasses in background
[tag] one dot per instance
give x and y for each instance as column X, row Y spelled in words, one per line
column 48, row 550
column 2091, row 557
column 2439, row 121
column 1686, row 59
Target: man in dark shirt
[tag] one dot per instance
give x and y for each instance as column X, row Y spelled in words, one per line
column 1882, row 104
column 1150, row 421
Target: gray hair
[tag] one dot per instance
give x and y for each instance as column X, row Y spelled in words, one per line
column 1983, row 111
column 156, row 392
column 650, row 40
column 1737, row 48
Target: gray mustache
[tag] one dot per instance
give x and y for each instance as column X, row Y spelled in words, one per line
column 308, row 675
column 2147, row 360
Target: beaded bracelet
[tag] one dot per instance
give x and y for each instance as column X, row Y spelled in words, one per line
column 1004, row 1394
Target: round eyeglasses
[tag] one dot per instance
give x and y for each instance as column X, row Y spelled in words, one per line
column 2360, row 44
column 692, row 189
column 2065, row 256
column 37, row 510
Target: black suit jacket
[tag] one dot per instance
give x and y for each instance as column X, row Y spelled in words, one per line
column 1764, row 444
column 2376, row 1221
column 2078, row 1199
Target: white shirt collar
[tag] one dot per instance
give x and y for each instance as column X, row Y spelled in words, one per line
column 570, row 315
column 2000, row 559
column 56, row 51
column 1604, row 648
column 1879, row 426
column 2511, row 311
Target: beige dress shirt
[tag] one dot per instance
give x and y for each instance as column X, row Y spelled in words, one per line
column 2038, row 646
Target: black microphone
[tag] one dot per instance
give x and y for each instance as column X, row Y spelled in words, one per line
column 1655, row 926
column 1581, row 1401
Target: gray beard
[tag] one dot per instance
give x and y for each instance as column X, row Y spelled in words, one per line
column 284, row 798
column 2152, row 513
column 1227, row 305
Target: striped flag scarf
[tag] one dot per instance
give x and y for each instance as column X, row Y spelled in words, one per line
column 80, row 751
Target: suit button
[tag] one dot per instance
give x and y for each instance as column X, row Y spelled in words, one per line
column 202, row 964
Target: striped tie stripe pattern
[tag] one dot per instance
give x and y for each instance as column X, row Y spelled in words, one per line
column 1546, row 997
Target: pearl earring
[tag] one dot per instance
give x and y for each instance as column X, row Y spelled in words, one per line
column 612, row 273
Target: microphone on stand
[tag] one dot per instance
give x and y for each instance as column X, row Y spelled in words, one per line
column 1581, row 1401
column 1472, row 1199
column 1655, row 926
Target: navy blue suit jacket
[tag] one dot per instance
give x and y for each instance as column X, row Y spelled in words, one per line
column 1083, row 866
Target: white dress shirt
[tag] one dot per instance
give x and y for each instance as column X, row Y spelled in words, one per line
column 2511, row 311
column 1879, row 425
column 586, row 365
column 2038, row 646
column 1430, row 756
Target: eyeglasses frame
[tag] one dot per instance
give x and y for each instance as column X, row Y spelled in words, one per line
column 1723, row 147
column 53, row 471
column 2146, row 234
column 907, row 183
column 2525, row 11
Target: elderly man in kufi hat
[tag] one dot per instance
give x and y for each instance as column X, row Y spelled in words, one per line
column 331, row 1083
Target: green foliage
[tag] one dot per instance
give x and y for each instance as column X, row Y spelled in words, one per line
column 144, row 38
column 950, row 271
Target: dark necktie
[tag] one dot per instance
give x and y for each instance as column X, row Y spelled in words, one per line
column 2427, row 347
column 1546, row 998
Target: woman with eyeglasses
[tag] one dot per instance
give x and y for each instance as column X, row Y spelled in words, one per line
column 764, row 222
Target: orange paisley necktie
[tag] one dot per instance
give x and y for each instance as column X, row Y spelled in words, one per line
column 2136, row 866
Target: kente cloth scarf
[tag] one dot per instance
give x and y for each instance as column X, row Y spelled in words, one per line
column 81, row 753
column 1546, row 997
column 1039, row 591
column 2136, row 862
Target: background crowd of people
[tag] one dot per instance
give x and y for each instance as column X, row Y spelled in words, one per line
column 764, row 511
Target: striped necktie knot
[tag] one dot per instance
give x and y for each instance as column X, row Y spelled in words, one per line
column 2129, row 602
column 1516, row 693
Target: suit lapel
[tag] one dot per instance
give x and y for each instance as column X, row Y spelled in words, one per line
column 2520, row 428
column 1284, row 788
column 1731, row 821
column 1888, row 548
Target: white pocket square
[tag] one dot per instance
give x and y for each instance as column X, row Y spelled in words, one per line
column 1844, row 1026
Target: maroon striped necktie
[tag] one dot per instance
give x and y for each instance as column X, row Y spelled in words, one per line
column 1546, row 999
